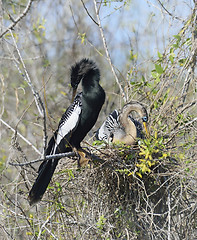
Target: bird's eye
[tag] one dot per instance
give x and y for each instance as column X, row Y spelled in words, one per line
column 144, row 119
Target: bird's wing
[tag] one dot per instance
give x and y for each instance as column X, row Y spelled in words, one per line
column 112, row 121
column 109, row 126
column 69, row 121
column 67, row 125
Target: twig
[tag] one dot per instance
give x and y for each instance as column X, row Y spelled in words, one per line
column 89, row 13
column 173, row 134
column 21, row 136
column 17, row 205
column 169, row 215
column 2, row 94
column 38, row 101
column 48, row 157
column 168, row 11
column 4, row 229
column 15, row 21
column 89, row 42
column 189, row 105
column 44, row 224
column 26, row 77
column 107, row 52
column 92, row 157
column 192, row 61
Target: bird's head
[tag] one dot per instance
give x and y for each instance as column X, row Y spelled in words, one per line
column 140, row 110
column 85, row 71
column 75, row 78
column 145, row 120
column 143, row 114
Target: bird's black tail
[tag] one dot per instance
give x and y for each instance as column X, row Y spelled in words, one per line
column 42, row 181
column 45, row 174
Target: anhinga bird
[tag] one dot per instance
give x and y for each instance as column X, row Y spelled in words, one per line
column 121, row 127
column 75, row 123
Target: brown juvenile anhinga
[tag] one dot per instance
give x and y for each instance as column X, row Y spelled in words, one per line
column 121, row 127
column 75, row 123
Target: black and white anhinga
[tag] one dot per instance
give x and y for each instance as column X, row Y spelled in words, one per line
column 75, row 123
column 121, row 127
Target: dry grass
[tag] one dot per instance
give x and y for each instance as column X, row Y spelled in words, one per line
column 105, row 201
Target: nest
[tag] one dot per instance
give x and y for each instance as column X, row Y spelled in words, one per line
column 129, row 205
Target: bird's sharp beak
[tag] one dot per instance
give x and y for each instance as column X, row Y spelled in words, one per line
column 74, row 93
column 146, row 129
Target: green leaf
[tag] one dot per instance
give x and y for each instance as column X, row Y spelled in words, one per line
column 175, row 45
column 159, row 55
column 178, row 37
column 154, row 74
column 159, row 69
column 188, row 41
column 182, row 61
column 13, row 9
column 132, row 55
column 171, row 58
column 143, row 79
column 82, row 37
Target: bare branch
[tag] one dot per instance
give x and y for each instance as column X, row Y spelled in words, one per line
column 48, row 157
column 15, row 21
column 38, row 100
column 2, row 93
column 107, row 53
column 165, row 9
column 192, row 60
column 188, row 106
column 44, row 225
column 89, row 13
column 169, row 215
column 21, row 136
column 175, row 132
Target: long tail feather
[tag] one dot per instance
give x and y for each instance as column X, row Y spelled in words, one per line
column 46, row 170
column 44, row 176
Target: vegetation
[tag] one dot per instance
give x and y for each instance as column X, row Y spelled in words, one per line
column 145, row 192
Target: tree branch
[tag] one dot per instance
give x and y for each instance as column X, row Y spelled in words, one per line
column 89, row 13
column 15, row 21
column 21, row 136
column 92, row 157
column 48, row 157
column 165, row 9
column 107, row 53
column 192, row 60
column 38, row 100
column 26, row 77
column 44, row 226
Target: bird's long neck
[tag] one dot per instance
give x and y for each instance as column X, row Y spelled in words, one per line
column 129, row 128
column 93, row 94
column 134, row 106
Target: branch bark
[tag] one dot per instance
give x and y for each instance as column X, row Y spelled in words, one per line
column 38, row 100
column 48, row 157
column 192, row 61
column 107, row 53
column 15, row 21
column 21, row 136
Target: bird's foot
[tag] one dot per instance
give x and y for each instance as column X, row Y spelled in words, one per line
column 84, row 157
